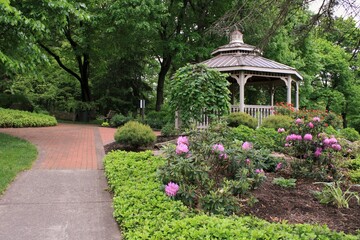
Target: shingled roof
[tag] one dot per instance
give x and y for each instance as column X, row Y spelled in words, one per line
column 237, row 56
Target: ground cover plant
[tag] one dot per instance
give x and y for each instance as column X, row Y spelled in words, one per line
column 16, row 155
column 17, row 118
column 145, row 210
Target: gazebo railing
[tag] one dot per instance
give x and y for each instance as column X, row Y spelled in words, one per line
column 257, row 111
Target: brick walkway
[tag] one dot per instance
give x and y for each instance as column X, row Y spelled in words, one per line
column 67, row 146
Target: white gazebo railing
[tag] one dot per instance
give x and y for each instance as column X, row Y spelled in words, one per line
column 257, row 111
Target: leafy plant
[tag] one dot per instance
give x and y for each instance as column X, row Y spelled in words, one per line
column 119, row 120
column 18, row 119
column 277, row 121
column 350, row 134
column 105, row 124
column 168, row 130
column 355, row 176
column 199, row 90
column 243, row 133
column 285, row 183
column 240, row 118
column 135, row 134
column 333, row 193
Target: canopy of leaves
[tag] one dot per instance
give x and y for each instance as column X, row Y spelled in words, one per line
column 198, row 90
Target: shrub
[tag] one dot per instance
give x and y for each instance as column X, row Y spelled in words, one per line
column 243, row 133
column 277, row 121
column 355, row 176
column 157, row 120
column 16, row 101
column 18, row 119
column 330, row 130
column 332, row 119
column 350, row 134
column 268, row 138
column 285, row 183
column 135, row 134
column 143, row 211
column 241, row 118
column 168, row 130
column 119, row 120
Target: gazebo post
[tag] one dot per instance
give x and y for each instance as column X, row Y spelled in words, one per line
column 272, row 93
column 288, row 84
column 297, row 96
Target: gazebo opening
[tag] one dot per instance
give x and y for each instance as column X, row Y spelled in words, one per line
column 255, row 80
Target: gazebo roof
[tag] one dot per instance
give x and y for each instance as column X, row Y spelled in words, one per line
column 238, row 56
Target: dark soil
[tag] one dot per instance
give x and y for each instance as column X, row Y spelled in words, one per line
column 297, row 205
column 294, row 205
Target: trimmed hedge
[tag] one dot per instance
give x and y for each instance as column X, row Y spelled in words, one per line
column 18, row 119
column 143, row 211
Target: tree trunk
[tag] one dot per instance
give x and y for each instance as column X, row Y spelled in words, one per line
column 165, row 66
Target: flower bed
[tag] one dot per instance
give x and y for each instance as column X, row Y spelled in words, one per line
column 144, row 211
column 18, row 119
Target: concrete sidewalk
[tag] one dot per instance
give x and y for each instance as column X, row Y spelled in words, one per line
column 64, row 195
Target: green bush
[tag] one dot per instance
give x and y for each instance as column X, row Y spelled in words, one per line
column 143, row 211
column 243, row 133
column 350, row 134
column 16, row 101
column 285, row 183
column 18, row 119
column 168, row 130
column 267, row 138
column 277, row 121
column 334, row 120
column 240, row 118
column 330, row 130
column 119, row 120
column 135, row 134
column 157, row 120
column 355, row 176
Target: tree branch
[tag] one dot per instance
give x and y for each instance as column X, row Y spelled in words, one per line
column 58, row 60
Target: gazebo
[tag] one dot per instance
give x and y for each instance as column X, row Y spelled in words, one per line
column 246, row 66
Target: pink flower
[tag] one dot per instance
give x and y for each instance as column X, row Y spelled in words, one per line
column 246, row 146
column 318, row 152
column 298, row 121
column 308, row 137
column 223, row 156
column 316, row 119
column 181, row 148
column 259, row 171
column 247, row 161
column 291, row 137
column 281, row 130
column 332, row 140
column 287, row 145
column 298, row 137
column 336, row 147
column 218, row 148
column 183, row 140
column 311, row 125
column 171, row 189
column 278, row 166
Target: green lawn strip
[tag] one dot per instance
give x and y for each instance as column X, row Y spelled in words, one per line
column 16, row 155
column 143, row 211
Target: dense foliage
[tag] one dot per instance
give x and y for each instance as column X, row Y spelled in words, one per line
column 135, row 135
column 198, row 90
column 18, row 118
column 143, row 211
column 239, row 118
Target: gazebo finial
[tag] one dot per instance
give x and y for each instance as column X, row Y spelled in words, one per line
column 236, row 37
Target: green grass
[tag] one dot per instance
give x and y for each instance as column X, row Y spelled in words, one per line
column 16, row 155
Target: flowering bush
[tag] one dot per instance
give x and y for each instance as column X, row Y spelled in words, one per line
column 315, row 151
column 212, row 171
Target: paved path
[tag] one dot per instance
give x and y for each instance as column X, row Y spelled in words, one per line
column 64, row 196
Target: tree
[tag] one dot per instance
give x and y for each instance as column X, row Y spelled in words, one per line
column 199, row 90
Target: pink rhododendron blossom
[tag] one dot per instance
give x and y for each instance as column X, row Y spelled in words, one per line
column 183, row 140
column 311, row 125
column 326, row 141
column 316, row 119
column 336, row 147
column 247, row 161
column 258, row 171
column 308, row 137
column 278, row 166
column 246, row 146
column 181, row 148
column 332, row 140
column 318, row 152
column 223, row 156
column 287, row 145
column 171, row 189
column 298, row 137
column 281, row 130
column 218, row 148
column 298, row 121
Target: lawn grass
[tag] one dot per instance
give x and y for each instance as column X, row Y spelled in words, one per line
column 16, row 155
